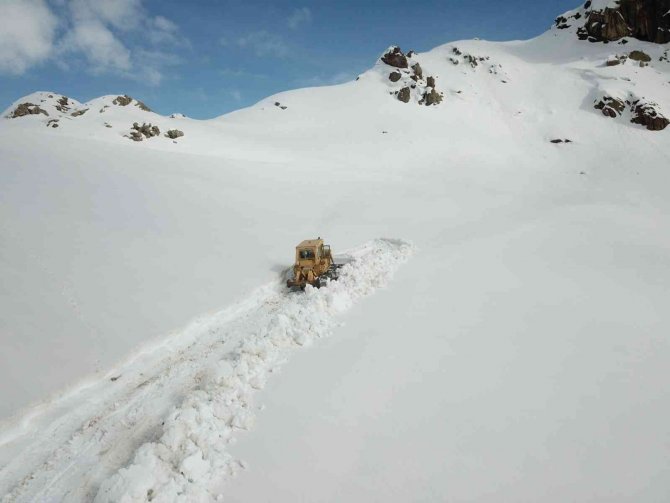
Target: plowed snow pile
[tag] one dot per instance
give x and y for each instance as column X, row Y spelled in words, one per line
column 230, row 358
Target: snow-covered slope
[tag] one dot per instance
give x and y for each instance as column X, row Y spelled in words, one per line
column 519, row 354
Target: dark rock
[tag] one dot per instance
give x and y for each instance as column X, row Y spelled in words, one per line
column 404, row 94
column 646, row 20
column 138, row 133
column 430, row 81
column 174, row 134
column 608, row 25
column 646, row 115
column 418, row 72
column 610, row 107
column 395, row 57
column 394, row 76
column 432, row 97
column 617, row 60
column 411, row 53
column 557, row 140
column 63, row 104
column 126, row 100
column 52, row 123
column 27, row 109
column 123, row 101
column 639, row 56
column 142, row 106
column 472, row 60
column 78, row 113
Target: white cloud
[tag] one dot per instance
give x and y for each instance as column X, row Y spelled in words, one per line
column 162, row 31
column 106, row 36
column 102, row 50
column 27, row 30
column 262, row 43
column 299, row 16
column 120, row 14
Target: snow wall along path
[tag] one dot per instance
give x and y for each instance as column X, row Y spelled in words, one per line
column 190, row 461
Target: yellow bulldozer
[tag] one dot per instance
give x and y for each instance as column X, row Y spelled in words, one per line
column 314, row 265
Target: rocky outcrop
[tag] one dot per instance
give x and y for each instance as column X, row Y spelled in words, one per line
column 27, row 109
column 646, row 20
column 126, row 100
column 138, row 133
column 78, row 113
column 643, row 112
column 404, row 95
column 174, row 134
column 646, row 114
column 610, row 107
column 122, row 101
column 431, row 97
column 395, row 57
column 410, row 79
column 63, row 104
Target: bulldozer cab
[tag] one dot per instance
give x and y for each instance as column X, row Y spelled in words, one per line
column 313, row 264
column 311, row 251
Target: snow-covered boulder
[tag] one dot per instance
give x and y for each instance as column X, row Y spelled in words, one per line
column 395, row 57
column 640, row 111
column 647, row 114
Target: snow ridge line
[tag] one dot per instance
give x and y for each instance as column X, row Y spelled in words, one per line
column 190, row 461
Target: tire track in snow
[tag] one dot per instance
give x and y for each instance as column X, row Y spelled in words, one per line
column 181, row 452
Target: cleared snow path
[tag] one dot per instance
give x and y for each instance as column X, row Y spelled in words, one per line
column 180, row 453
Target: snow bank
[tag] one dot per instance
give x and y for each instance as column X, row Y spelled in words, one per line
column 191, row 457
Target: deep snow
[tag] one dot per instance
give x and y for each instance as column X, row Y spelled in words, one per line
column 520, row 355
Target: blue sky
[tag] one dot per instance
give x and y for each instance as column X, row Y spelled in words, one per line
column 206, row 57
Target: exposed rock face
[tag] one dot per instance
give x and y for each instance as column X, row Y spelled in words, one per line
column 410, row 80
column 610, row 107
column 608, row 25
column 63, row 104
column 432, row 97
column 643, row 112
column 646, row 115
column 174, row 134
column 138, row 133
column 78, row 113
column 27, row 109
column 126, row 100
column 122, row 101
column 646, row 20
column 395, row 57
column 404, row 95
column 639, row 56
